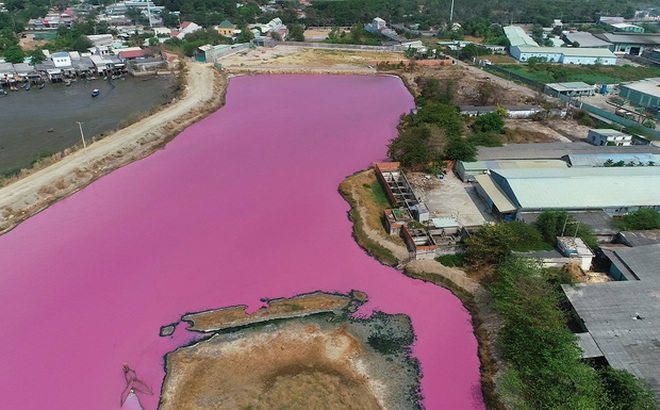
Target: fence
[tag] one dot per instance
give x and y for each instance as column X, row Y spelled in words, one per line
column 330, row 46
column 579, row 104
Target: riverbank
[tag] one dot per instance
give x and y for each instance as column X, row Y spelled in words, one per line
column 476, row 299
column 73, row 170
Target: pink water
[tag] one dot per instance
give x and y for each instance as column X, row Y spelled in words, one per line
column 239, row 207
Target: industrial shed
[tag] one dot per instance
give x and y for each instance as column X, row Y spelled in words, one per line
column 466, row 171
column 602, row 160
column 645, row 93
column 556, row 150
column 565, row 55
column 615, row 190
column 623, row 317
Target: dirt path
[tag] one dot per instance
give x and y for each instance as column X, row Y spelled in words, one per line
column 19, row 200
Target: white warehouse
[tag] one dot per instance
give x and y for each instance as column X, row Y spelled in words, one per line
column 564, row 55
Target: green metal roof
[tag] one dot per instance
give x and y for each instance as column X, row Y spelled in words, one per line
column 518, row 37
column 581, row 188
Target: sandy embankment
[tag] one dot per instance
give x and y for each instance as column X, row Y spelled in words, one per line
column 24, row 198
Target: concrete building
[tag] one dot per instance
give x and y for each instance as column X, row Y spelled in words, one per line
column 615, row 190
column 378, row 24
column 467, row 171
column 564, row 55
column 577, row 250
column 186, row 28
column 630, row 43
column 607, row 136
column 574, row 89
column 226, row 28
column 61, row 59
column 621, row 320
column 645, row 93
column 517, row 37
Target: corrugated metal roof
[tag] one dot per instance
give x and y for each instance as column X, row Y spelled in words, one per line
column 650, row 86
column 514, row 164
column 518, row 37
column 599, row 160
column 583, row 188
column 556, row 150
column 586, row 39
column 620, row 38
column 569, row 51
column 495, row 194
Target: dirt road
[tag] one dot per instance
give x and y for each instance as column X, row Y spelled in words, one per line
column 19, row 200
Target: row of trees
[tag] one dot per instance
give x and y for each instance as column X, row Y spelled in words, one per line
column 435, row 133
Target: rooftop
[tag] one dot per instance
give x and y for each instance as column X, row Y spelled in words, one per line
column 513, row 164
column 518, row 37
column 586, row 39
column 569, row 51
column 554, row 150
column 623, row 317
column 581, row 188
column 599, row 160
column 574, row 86
column 640, row 238
column 650, row 86
column 630, row 38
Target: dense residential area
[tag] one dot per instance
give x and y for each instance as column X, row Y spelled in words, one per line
column 523, row 176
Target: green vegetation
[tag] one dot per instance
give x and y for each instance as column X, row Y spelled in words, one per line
column 544, row 73
column 642, row 219
column 626, row 391
column 557, row 223
column 378, row 195
column 540, row 350
column 494, row 243
column 457, row 260
column 188, row 45
column 356, row 35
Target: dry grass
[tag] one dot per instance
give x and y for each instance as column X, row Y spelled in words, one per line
column 294, row 367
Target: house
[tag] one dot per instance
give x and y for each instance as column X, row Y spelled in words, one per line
column 226, row 28
column 61, row 59
column 513, row 111
column 187, row 27
column 130, row 55
column 609, row 137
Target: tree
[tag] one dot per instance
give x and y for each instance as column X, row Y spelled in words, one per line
column 296, row 33
column 444, row 116
column 460, row 149
column 490, row 122
column 14, row 55
column 246, row 35
column 554, row 223
column 415, row 147
column 37, row 56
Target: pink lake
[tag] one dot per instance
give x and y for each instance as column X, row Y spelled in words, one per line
column 241, row 206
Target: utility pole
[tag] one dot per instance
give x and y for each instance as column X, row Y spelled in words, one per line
column 451, row 16
column 82, row 136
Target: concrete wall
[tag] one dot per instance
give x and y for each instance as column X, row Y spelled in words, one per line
column 638, row 98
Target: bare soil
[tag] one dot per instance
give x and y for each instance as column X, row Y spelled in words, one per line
column 294, row 367
column 288, row 307
column 521, row 131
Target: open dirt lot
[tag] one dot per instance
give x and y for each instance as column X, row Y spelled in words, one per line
column 527, row 131
column 451, row 198
column 290, row 57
